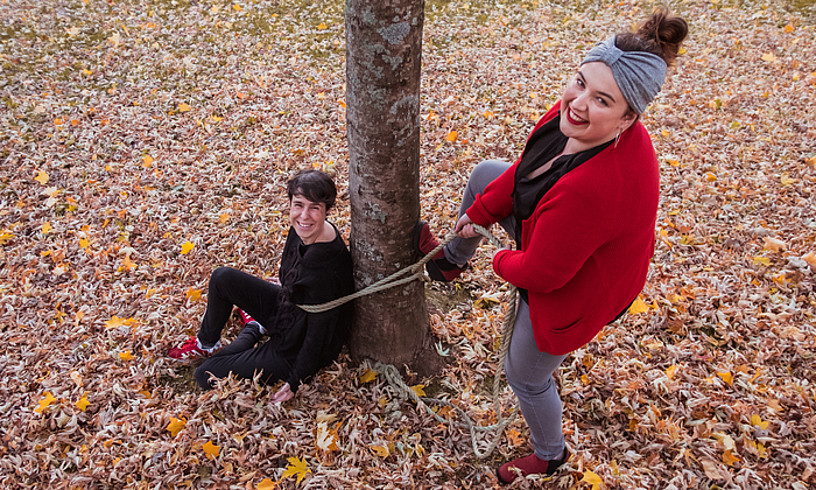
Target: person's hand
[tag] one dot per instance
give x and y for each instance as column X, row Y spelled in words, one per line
column 283, row 394
column 464, row 227
column 275, row 281
column 499, row 250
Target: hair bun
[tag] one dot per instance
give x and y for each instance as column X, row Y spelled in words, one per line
column 666, row 32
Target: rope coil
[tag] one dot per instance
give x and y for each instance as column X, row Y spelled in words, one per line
column 392, row 375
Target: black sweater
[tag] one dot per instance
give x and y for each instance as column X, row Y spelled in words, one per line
column 312, row 274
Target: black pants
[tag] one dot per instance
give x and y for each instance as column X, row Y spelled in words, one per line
column 242, row 357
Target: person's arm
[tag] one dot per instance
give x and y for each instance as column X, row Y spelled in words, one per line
column 569, row 227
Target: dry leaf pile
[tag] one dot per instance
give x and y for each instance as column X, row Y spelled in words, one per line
column 146, row 143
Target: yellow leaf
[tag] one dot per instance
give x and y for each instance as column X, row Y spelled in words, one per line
column 175, row 425
column 46, row 227
column 593, row 479
column 368, row 376
column 83, row 402
column 5, row 237
column 673, row 163
column 729, row 458
column 237, row 7
column 710, row 177
column 87, row 72
column 114, row 322
column 810, row 258
column 380, row 451
column 789, row 28
column 148, row 160
column 671, row 370
column 418, row 389
column 322, row 26
column 41, row 177
column 762, row 261
column 638, row 307
column 769, row 57
column 296, row 467
column 451, row 137
column 184, row 107
column 727, row 377
column 682, row 51
column 757, row 421
column 45, row 402
column 84, row 243
column 212, row 450
column 223, row 217
column 193, row 294
column 186, row 247
column 266, row 484
column 215, row 119
column 488, row 114
column 126, row 355
column 785, row 180
column 585, row 379
column 811, row 160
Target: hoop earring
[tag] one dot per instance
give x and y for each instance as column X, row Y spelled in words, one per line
column 617, row 138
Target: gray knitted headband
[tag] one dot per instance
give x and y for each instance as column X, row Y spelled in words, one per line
column 639, row 74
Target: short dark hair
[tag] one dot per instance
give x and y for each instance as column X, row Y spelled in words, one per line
column 314, row 185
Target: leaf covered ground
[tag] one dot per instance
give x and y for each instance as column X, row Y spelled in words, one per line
column 146, row 143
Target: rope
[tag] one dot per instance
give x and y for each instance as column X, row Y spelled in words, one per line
column 392, row 375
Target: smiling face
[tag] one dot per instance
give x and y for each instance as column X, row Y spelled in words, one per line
column 593, row 109
column 307, row 217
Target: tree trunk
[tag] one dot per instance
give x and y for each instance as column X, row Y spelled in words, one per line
column 383, row 57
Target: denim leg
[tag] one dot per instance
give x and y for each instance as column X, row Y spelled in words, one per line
column 230, row 287
column 530, row 374
column 460, row 250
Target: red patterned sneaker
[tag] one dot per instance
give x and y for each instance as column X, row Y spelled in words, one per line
column 247, row 318
column 529, row 465
column 192, row 349
column 439, row 268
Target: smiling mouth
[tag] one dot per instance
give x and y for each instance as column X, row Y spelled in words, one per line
column 575, row 119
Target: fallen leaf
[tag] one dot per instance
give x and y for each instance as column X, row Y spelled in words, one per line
column 451, row 137
column 381, row 451
column 211, row 450
column 193, row 295
column 419, row 390
column 638, row 306
column 774, row 245
column 729, row 458
column 83, row 402
column 368, row 376
column 757, row 421
column 769, row 57
column 184, row 107
column 727, row 377
column 266, row 484
column 592, row 479
column 671, row 370
column 46, row 228
column 711, row 470
column 810, row 258
column 186, row 247
column 126, row 356
column 176, row 425
column 296, row 467
column 45, row 402
column 41, row 177
column 114, row 322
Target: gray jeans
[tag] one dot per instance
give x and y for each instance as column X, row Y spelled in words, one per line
column 529, row 370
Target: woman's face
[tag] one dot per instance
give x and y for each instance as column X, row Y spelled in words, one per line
column 307, row 218
column 593, row 109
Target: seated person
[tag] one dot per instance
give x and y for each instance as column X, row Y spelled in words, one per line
column 315, row 268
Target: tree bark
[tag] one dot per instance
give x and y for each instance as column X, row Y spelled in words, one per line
column 383, row 58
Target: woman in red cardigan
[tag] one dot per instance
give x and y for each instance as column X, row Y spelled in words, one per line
column 581, row 203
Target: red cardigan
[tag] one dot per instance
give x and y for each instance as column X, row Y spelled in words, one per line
column 585, row 250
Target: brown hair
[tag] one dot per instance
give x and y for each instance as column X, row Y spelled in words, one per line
column 314, row 185
column 661, row 34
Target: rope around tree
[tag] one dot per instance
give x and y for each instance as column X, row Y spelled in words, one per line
column 392, row 375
